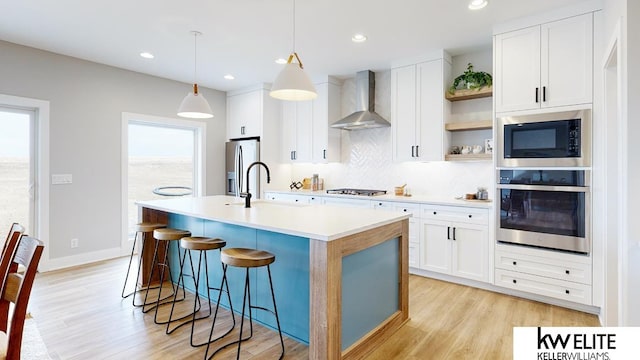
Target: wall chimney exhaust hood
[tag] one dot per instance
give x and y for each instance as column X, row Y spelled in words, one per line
column 365, row 116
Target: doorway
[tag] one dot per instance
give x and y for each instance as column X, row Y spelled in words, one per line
column 17, row 166
column 162, row 158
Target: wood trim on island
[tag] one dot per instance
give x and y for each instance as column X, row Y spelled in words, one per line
column 326, row 299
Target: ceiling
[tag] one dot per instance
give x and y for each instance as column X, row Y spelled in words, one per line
column 244, row 37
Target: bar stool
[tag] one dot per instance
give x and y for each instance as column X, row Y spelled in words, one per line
column 202, row 245
column 144, row 228
column 246, row 258
column 167, row 236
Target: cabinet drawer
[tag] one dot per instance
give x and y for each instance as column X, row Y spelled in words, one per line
column 547, row 267
column 559, row 289
column 455, row 214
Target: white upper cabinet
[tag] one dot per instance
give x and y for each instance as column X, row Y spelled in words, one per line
column 306, row 135
column 544, row 66
column 297, row 118
column 418, row 110
column 244, row 114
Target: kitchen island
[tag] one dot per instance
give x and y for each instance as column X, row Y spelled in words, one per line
column 340, row 276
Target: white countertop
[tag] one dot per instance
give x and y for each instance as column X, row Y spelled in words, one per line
column 432, row 200
column 321, row 222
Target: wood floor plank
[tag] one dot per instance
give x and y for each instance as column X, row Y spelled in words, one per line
column 80, row 315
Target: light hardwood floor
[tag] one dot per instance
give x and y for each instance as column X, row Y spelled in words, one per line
column 80, row 315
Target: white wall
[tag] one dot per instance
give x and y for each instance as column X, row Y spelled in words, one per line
column 626, row 13
column 367, row 154
column 86, row 103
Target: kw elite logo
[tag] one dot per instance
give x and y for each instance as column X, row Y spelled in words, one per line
column 575, row 343
column 578, row 346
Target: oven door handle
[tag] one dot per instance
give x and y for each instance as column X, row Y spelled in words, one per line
column 583, row 189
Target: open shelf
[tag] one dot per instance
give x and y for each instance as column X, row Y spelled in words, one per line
column 469, row 125
column 467, row 157
column 467, row 94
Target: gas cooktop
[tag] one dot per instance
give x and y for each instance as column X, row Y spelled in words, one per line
column 361, row 192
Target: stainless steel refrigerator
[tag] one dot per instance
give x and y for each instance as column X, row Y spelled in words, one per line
column 239, row 155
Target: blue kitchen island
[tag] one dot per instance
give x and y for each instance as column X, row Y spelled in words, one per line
column 340, row 277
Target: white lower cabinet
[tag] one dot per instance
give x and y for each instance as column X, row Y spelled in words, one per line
column 455, row 241
column 414, row 226
column 549, row 273
column 327, row 200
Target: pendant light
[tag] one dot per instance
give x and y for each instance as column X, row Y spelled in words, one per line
column 293, row 83
column 194, row 104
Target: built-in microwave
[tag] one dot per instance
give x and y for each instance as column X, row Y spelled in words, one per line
column 561, row 139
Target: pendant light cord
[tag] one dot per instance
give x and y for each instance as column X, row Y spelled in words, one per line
column 294, row 26
column 195, row 56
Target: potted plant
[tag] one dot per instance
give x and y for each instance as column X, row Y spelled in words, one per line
column 472, row 79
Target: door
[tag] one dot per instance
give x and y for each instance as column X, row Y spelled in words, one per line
column 470, row 251
column 430, row 110
column 436, row 247
column 403, row 112
column 517, row 67
column 17, row 168
column 567, row 61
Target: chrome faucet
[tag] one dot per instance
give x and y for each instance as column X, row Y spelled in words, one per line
column 247, row 195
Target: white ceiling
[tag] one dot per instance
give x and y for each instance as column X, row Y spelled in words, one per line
column 244, row 37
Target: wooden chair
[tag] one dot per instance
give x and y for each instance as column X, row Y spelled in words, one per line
column 17, row 292
column 8, row 251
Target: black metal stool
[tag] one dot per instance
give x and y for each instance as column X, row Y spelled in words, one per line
column 246, row 258
column 202, row 245
column 167, row 236
column 143, row 228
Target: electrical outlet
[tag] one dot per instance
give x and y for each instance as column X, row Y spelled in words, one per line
column 74, row 243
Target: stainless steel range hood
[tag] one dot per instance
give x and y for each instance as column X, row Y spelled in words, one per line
column 365, row 117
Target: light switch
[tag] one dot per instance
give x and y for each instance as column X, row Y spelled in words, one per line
column 61, row 179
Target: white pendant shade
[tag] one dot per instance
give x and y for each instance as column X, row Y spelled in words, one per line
column 195, row 106
column 293, row 84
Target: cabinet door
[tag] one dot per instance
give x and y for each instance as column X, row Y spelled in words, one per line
column 244, row 113
column 567, row 61
column 470, row 251
column 403, row 112
column 430, row 118
column 435, row 247
column 296, row 131
column 326, row 110
column 517, row 67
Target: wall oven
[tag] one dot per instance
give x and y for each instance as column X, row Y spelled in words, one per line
column 545, row 208
column 561, row 139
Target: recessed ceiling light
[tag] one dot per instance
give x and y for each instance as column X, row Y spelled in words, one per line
column 147, row 55
column 229, row 77
column 281, row 61
column 358, row 38
column 477, row 4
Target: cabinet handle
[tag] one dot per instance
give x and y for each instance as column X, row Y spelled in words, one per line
column 537, row 92
column 434, row 213
column 413, row 151
column 470, row 216
column 405, row 210
column 454, row 233
column 567, row 272
column 567, row 291
column 324, row 154
column 242, row 130
column 544, row 93
column 514, row 281
column 296, row 200
column 448, row 233
column 417, row 151
column 515, row 263
column 313, row 198
column 379, row 204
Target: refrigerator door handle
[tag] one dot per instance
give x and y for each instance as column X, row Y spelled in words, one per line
column 239, row 170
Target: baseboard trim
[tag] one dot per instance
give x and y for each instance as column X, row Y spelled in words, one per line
column 81, row 259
